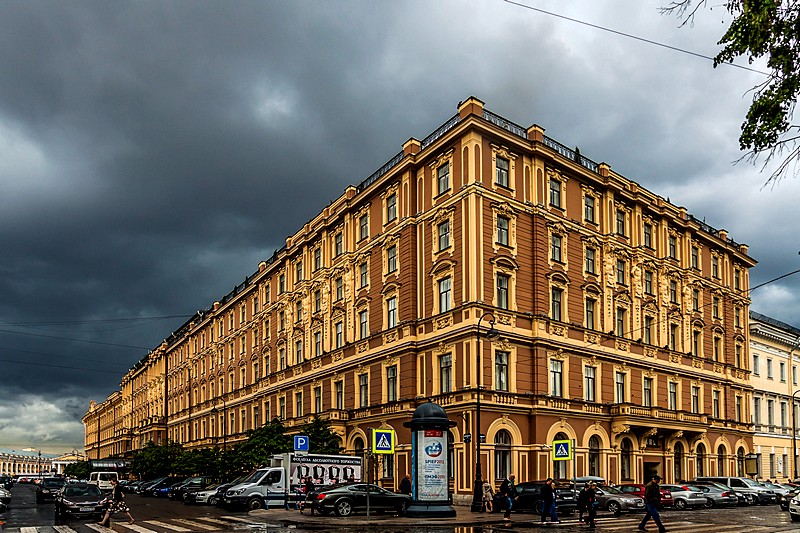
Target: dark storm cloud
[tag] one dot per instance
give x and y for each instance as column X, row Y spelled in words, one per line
column 154, row 152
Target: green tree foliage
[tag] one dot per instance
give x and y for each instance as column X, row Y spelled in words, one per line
column 261, row 444
column 763, row 29
column 156, row 460
column 321, row 436
column 80, row 470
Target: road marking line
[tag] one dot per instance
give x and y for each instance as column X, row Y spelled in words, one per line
column 98, row 527
column 195, row 524
column 238, row 519
column 137, row 528
column 213, row 520
column 64, row 529
column 28, row 530
column 165, row 525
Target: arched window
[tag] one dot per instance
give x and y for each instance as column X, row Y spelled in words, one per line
column 740, row 462
column 502, row 454
column 560, row 467
column 594, row 456
column 721, row 460
column 677, row 466
column 626, row 459
column 700, row 460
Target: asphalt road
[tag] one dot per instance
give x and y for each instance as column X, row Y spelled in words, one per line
column 163, row 516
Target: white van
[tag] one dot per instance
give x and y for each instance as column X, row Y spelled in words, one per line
column 103, row 480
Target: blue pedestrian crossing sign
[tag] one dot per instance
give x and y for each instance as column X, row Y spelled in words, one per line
column 562, row 450
column 301, row 443
column 383, row 441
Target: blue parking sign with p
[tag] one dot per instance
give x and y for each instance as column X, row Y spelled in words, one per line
column 301, row 443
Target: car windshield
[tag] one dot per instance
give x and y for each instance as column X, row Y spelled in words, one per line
column 254, row 477
column 87, row 490
column 750, row 483
column 52, row 483
column 611, row 490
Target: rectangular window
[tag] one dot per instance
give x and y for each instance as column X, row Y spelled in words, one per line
column 281, row 320
column 782, row 374
column 339, row 393
column 502, row 291
column 555, row 193
column 339, row 334
column 363, row 390
column 794, row 374
column 556, row 377
column 619, row 387
column 648, row 236
column 501, row 172
column 737, row 317
column 695, row 399
column 647, row 392
column 363, row 227
column 317, row 301
column 715, row 404
column 648, row 282
column 769, row 369
column 317, row 399
column 391, row 312
column 648, row 330
column 695, row 257
column 757, row 412
column 338, row 246
column 444, row 295
column 282, row 408
column 339, row 288
column 621, row 321
column 363, row 274
column 737, row 279
column 555, row 248
column 673, row 247
column 673, row 396
column 391, row 207
column 446, row 373
column 714, row 266
column 443, row 178
column 717, row 347
column 443, row 230
column 620, row 271
column 363, row 326
column 391, row 383
column 738, row 356
column 591, row 304
column 502, row 230
column 317, row 258
column 620, row 222
column 738, row 408
column 391, row 259
column 588, row 208
column 673, row 291
column 298, row 311
column 589, row 383
column 771, row 414
column 501, row 371
column 756, row 365
column 298, row 351
column 281, row 290
column 696, row 339
column 555, row 303
column 298, row 272
column 317, row 343
column 590, row 264
column 298, row 404
column 715, row 307
column 695, row 300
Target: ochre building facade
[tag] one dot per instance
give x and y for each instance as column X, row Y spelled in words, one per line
column 622, row 321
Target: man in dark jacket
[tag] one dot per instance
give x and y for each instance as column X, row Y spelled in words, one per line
column 508, row 492
column 405, row 485
column 652, row 497
column 549, row 502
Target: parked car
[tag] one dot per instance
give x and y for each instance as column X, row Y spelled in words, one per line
column 345, row 499
column 176, row 492
column 48, row 487
column 80, row 499
column 529, row 498
column 719, row 497
column 162, row 489
column 616, row 501
column 686, row 496
column 779, row 490
column 637, row 489
column 207, row 495
column 144, row 487
column 787, row 498
column 6, row 482
column 5, row 496
column 744, row 498
column 794, row 509
column 746, row 485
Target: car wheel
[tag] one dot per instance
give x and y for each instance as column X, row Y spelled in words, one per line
column 344, row 507
column 538, row 507
column 254, row 504
column 680, row 505
column 710, row 503
column 402, row 507
column 213, row 500
column 614, row 507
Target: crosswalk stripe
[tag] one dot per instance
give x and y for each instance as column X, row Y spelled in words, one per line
column 238, row 519
column 136, row 527
column 98, row 527
column 64, row 529
column 213, row 520
column 193, row 523
column 165, row 525
column 28, row 530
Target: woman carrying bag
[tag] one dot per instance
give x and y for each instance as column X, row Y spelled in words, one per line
column 117, row 504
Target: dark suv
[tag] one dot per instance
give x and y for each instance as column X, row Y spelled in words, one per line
column 46, row 490
column 529, row 498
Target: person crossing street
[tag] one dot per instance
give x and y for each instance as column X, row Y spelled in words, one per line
column 652, row 498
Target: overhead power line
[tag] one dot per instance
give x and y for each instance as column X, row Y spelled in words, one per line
column 630, row 36
column 73, row 340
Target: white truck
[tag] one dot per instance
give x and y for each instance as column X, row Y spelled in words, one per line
column 279, row 484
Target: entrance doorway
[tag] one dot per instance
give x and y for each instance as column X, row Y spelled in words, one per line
column 650, row 469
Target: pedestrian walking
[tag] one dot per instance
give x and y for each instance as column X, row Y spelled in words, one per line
column 508, row 492
column 405, row 485
column 549, row 502
column 583, row 503
column 488, row 497
column 652, row 498
column 117, row 504
column 591, row 503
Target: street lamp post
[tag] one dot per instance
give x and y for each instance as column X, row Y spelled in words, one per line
column 477, row 491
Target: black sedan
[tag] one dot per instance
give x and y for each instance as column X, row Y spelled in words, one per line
column 529, row 499
column 47, row 489
column 80, row 499
column 348, row 498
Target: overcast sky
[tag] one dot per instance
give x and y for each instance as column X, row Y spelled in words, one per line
column 152, row 153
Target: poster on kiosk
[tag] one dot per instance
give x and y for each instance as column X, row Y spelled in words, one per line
column 432, row 482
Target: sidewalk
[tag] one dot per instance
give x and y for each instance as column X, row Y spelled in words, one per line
column 464, row 518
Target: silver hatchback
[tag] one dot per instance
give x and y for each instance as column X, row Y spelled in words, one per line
column 686, row 496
